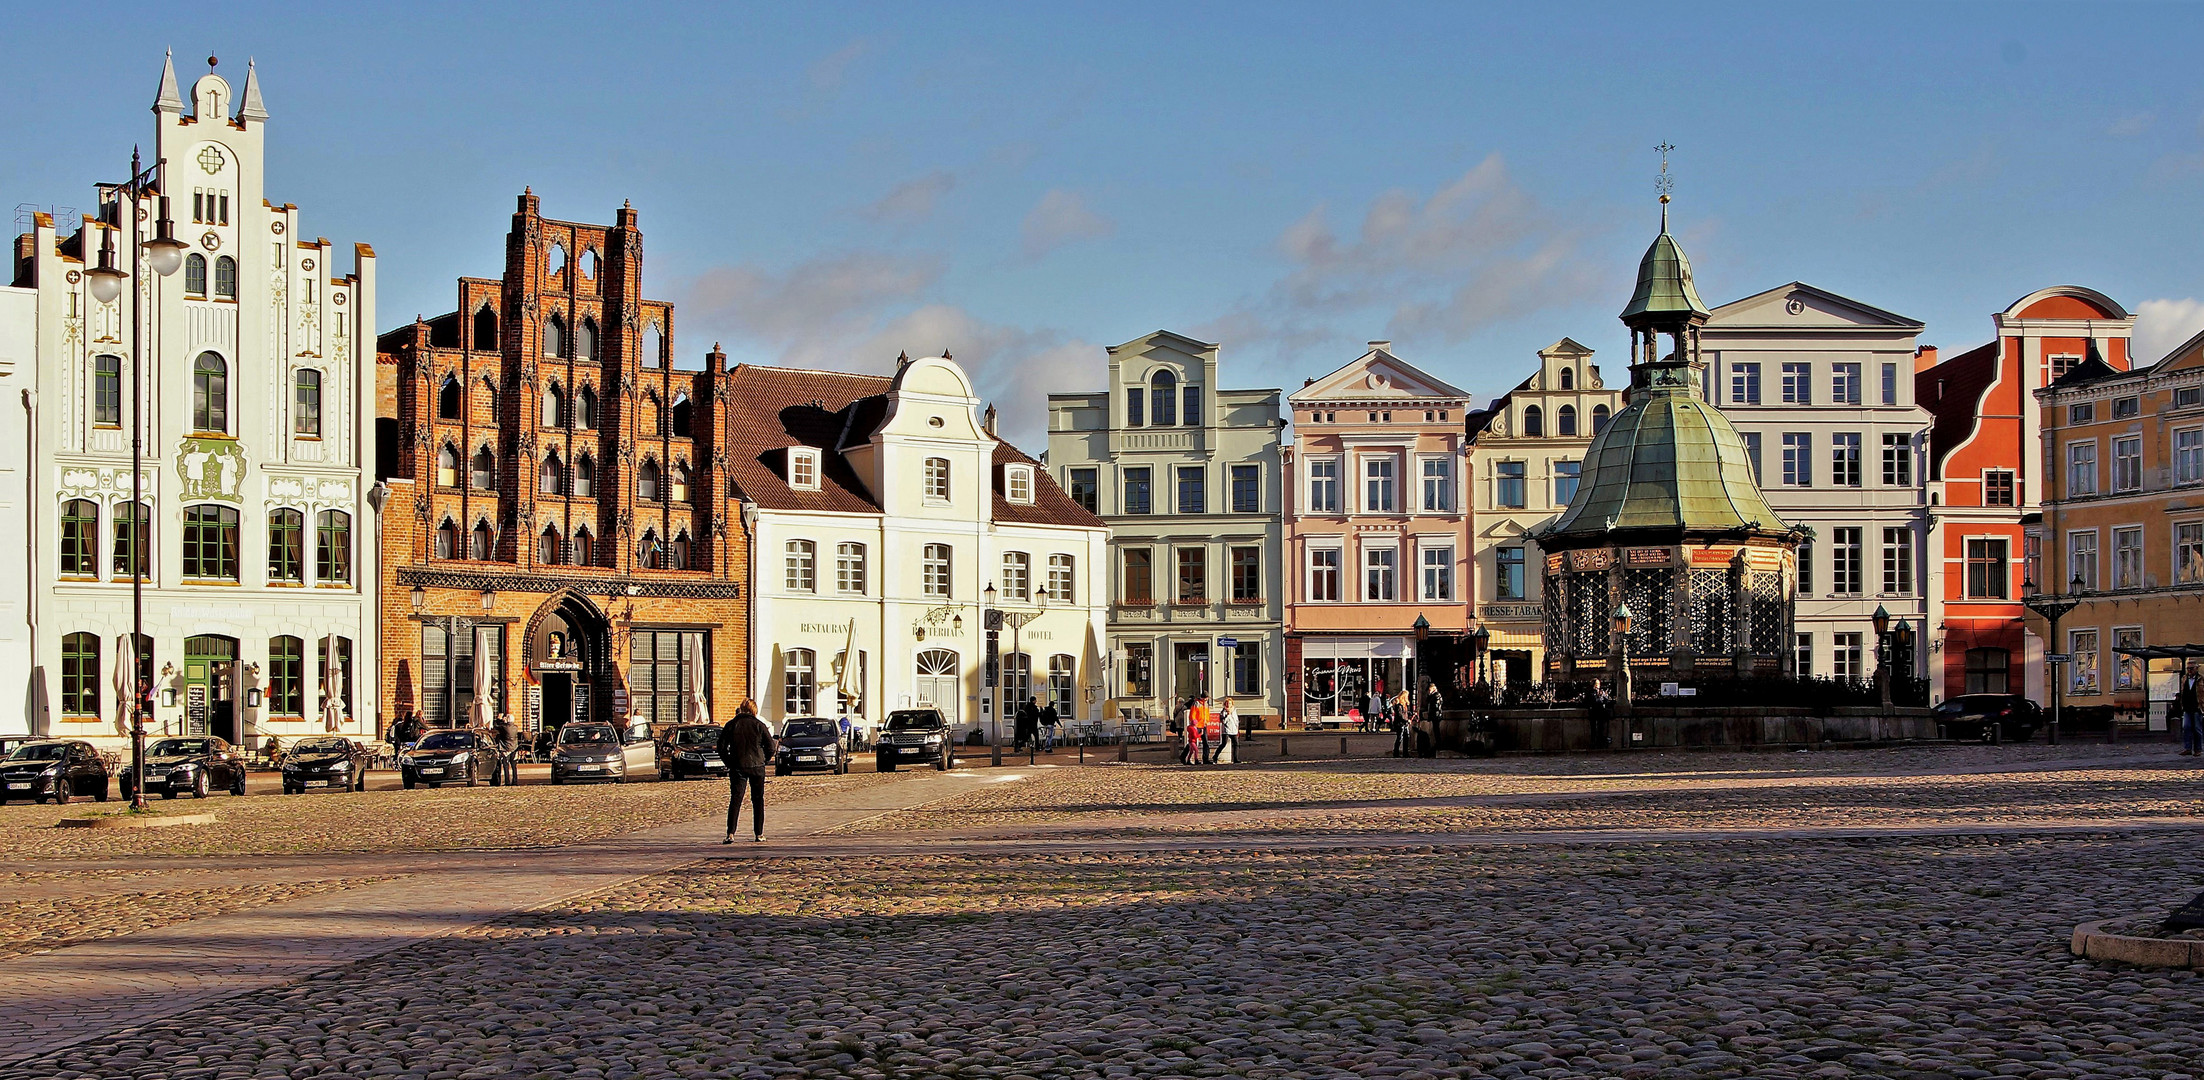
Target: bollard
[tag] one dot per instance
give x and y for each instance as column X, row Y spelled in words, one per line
column 1342, row 746
column 1082, row 753
column 1282, row 751
column 998, row 748
column 1124, row 746
column 1029, row 750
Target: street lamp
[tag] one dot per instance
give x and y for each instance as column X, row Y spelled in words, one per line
column 1881, row 621
column 1622, row 658
column 2053, row 607
column 1478, row 640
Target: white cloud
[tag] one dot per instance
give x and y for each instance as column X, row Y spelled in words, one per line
column 2161, row 325
column 1061, row 217
column 1014, row 367
column 827, row 297
column 911, row 201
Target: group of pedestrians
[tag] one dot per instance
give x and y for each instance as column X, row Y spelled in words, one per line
column 1211, row 732
column 1035, row 725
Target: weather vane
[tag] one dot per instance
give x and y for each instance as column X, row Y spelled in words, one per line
column 1664, row 183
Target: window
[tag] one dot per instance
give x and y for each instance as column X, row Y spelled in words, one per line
column 1139, row 582
column 1890, row 384
column 131, row 541
column 680, row 553
column 1844, row 384
column 2188, row 456
column 547, row 546
column 2081, row 559
column 1798, row 459
column 1247, row 574
column 1438, row 573
column 646, row 481
column 1997, row 487
column 2188, row 553
column 2127, row 557
column 585, row 342
column 225, row 278
column 489, row 398
column 1599, row 419
column 654, row 345
column 1438, row 484
column 1565, row 420
column 585, row 476
column 800, row 683
column 1140, row 670
column 1136, row 406
column 798, row 558
column 1017, row 576
column 286, row 546
column 1845, row 659
column 1534, row 421
column 1163, row 399
column 803, row 469
column 1191, row 497
column 107, row 390
column 554, row 406
column 1898, row 562
column 2127, row 463
column 650, row 554
column 483, row 543
column 80, row 539
column 483, row 477
column 447, row 671
column 585, row 408
column 1745, row 384
column 2081, row 413
column 1802, row 654
column 1566, row 476
column 80, row 675
column 1060, row 668
column 1247, row 489
column 849, row 568
column 1897, row 459
column 585, row 548
column 2188, row 396
column 333, row 547
column 1193, row 580
column 2127, row 408
column 2031, row 556
column 1844, row 459
column 1247, row 668
column 937, row 479
column 1752, row 453
column 1845, row 557
column 485, row 329
column 554, row 337
column 1324, row 574
column 447, row 540
column 210, row 394
column 1062, row 583
column 934, row 569
column 2082, row 644
column 1805, row 569
column 1324, row 485
column 450, row 399
column 2081, row 468
column 1190, row 405
column 1136, row 490
column 286, row 676
column 210, row 543
column 306, row 395
column 1798, row 384
column 1080, row 485
column 1988, row 671
column 195, row 275
column 1507, row 573
column 1507, row 484
column 549, row 476
column 1986, row 572
column 1018, row 483
column 1379, row 571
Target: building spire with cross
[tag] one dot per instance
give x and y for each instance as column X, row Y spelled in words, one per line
column 1664, row 183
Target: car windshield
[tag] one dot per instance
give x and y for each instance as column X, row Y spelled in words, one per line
column 178, row 747
column 447, row 740
column 52, row 751
column 798, row 728
column 913, row 721
column 696, row 736
column 587, row 734
column 320, row 746
column 1974, row 703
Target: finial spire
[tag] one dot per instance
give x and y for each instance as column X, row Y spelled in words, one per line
column 252, row 108
column 168, row 96
column 1664, row 183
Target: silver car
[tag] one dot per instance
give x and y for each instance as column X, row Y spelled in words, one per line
column 592, row 751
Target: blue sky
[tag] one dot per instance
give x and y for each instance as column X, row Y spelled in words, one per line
column 1025, row 184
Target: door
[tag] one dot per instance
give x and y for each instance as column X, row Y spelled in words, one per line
column 640, row 750
column 938, row 685
column 1189, row 670
column 558, row 700
column 210, row 685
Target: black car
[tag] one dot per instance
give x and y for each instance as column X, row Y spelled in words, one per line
column 325, row 763
column 193, row 765
column 690, row 750
column 445, row 756
column 810, row 742
column 1989, row 717
column 57, row 769
column 916, row 735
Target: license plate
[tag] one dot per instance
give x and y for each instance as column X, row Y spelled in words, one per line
column 808, row 757
column 19, row 787
column 432, row 772
column 315, row 783
column 589, row 768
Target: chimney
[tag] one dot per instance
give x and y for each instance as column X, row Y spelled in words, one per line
column 987, row 420
column 1381, row 346
column 1924, row 358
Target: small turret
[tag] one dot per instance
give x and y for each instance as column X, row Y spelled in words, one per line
column 169, row 99
column 253, row 108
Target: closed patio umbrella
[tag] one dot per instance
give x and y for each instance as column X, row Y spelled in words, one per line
column 850, row 682
column 125, row 671
column 481, row 714
column 332, row 686
column 696, row 707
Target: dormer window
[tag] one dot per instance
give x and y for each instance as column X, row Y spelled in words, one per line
column 1018, row 483
column 803, row 469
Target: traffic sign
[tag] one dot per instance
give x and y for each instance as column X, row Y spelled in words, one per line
column 1228, row 643
column 2058, row 658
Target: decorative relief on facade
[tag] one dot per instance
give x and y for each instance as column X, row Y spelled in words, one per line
column 211, row 469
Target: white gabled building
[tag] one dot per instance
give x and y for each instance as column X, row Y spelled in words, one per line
column 258, row 417
column 881, row 510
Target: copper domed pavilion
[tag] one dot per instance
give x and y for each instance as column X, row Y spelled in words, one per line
column 1669, row 519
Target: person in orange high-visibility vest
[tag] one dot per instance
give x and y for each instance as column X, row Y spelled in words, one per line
column 1197, row 722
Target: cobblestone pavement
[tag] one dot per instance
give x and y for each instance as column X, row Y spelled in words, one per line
column 128, row 906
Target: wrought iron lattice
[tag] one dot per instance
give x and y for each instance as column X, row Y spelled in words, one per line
column 1588, row 613
column 1557, row 614
column 1711, row 614
column 1646, row 591
column 1771, row 611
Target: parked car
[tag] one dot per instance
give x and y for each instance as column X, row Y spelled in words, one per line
column 920, row 735
column 444, row 756
column 325, row 762
column 193, row 765
column 810, row 742
column 690, row 750
column 1989, row 717
column 8, row 743
column 593, row 751
column 57, row 769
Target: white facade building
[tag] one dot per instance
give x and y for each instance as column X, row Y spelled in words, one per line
column 18, row 367
column 1821, row 388
column 881, row 511
column 258, row 412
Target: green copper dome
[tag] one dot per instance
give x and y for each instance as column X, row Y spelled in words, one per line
column 1664, row 282
column 1667, row 462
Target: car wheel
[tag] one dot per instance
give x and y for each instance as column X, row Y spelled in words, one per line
column 884, row 765
column 841, row 767
column 168, row 792
column 61, row 791
column 101, row 794
column 199, row 785
column 556, row 778
column 237, row 787
column 780, row 770
column 407, row 780
column 943, row 764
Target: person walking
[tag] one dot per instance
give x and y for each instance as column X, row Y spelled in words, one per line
column 1191, row 753
column 746, row 745
column 1205, row 729
column 1027, row 723
column 1048, row 720
column 506, row 739
column 1373, row 713
column 1228, row 732
column 2192, row 722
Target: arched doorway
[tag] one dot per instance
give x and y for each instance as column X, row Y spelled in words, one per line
column 938, row 684
column 568, row 658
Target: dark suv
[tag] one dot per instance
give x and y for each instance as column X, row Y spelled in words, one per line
column 810, row 742
column 915, row 735
column 1989, row 717
column 57, row 769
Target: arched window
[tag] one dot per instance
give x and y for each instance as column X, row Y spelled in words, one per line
column 484, row 541
column 1568, row 378
column 286, row 676
column 654, row 415
column 1534, row 420
column 548, row 477
column 485, row 329
column 195, row 275
column 554, row 336
column 286, row 546
column 1565, row 419
column 585, row 547
column 489, row 396
column 585, row 343
column 554, row 264
column 210, row 543
column 654, row 346
column 1599, row 418
column 447, row 466
column 450, row 399
column 333, row 547
column 547, row 546
column 589, row 264
column 484, row 475
column 225, row 278
column 649, row 553
column 682, row 411
column 447, row 540
column 585, row 476
column 799, row 679
column 1163, row 399
column 681, row 550
column 210, row 394
column 80, row 675
column 585, row 408
column 80, row 538
column 554, row 406
column 646, row 481
column 680, row 481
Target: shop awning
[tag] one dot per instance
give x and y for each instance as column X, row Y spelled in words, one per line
column 2161, row 652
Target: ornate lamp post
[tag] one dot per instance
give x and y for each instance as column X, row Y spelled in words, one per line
column 163, row 255
column 1881, row 621
column 1478, row 640
column 1622, row 658
column 2053, row 607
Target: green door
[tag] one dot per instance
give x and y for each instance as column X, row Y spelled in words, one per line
column 210, row 687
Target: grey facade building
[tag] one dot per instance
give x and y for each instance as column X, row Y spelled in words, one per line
column 1187, row 476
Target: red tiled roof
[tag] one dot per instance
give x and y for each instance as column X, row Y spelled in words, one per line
column 1050, row 505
